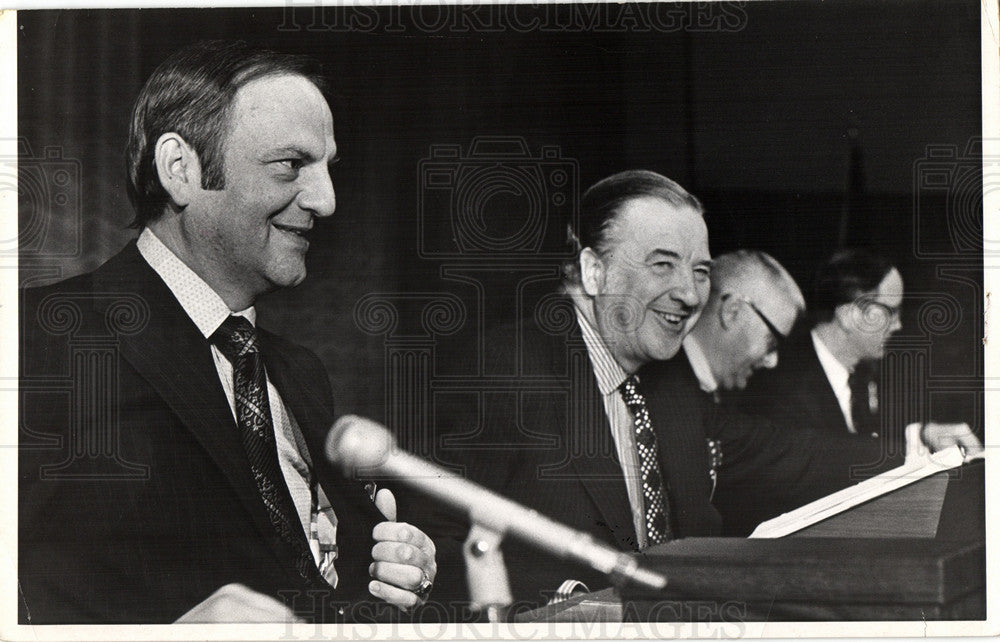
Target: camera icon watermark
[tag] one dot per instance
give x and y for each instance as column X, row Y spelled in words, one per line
column 49, row 205
column 948, row 196
column 496, row 201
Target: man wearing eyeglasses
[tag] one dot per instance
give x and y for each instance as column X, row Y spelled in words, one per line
column 771, row 464
column 826, row 378
column 752, row 307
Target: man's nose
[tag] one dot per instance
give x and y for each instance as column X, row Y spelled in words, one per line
column 770, row 360
column 686, row 291
column 318, row 196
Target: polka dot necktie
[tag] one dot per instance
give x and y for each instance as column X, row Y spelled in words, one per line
column 237, row 340
column 653, row 490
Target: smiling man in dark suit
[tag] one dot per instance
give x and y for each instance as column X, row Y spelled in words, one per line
column 563, row 436
column 186, row 477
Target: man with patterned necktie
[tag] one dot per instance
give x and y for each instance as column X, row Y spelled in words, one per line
column 186, row 479
column 585, row 442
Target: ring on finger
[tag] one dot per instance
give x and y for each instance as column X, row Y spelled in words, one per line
column 424, row 589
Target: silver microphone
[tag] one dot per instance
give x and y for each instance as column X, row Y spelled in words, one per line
column 356, row 443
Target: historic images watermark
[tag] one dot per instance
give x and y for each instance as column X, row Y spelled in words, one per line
column 435, row 18
column 949, row 185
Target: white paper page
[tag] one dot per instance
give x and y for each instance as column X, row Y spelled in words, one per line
column 915, row 469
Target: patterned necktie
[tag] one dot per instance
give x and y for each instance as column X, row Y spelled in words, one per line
column 237, row 340
column 653, row 490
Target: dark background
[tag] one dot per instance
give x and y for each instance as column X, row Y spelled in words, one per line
column 801, row 126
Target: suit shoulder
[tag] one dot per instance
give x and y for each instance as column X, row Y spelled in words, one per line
column 297, row 356
column 36, row 294
column 117, row 273
column 674, row 375
column 285, row 346
column 44, row 311
column 794, row 360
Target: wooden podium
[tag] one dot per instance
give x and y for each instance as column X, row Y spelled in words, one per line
column 916, row 553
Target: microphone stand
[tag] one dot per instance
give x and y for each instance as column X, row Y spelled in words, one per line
column 489, row 588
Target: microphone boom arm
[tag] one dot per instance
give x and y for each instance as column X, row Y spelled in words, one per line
column 362, row 445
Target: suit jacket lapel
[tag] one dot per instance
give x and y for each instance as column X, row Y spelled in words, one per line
column 603, row 480
column 309, row 403
column 678, row 409
column 828, row 410
column 175, row 359
column 601, row 475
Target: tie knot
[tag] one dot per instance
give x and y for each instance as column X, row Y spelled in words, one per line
column 236, row 337
column 630, row 391
column 865, row 368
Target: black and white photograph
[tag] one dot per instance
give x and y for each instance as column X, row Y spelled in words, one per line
column 517, row 320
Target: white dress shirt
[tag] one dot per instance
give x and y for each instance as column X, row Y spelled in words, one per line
column 208, row 311
column 838, row 377
column 699, row 364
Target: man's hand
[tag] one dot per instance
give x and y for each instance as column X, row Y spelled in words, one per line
column 404, row 559
column 237, row 603
column 937, row 436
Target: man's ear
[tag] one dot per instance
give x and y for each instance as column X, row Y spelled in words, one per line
column 729, row 310
column 178, row 168
column 844, row 315
column 591, row 272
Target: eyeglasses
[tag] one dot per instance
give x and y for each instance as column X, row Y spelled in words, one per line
column 891, row 311
column 777, row 334
column 877, row 317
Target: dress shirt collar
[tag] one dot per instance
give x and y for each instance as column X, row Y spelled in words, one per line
column 200, row 302
column 610, row 375
column 835, row 370
column 699, row 363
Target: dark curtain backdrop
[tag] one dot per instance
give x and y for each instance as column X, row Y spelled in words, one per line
column 800, row 125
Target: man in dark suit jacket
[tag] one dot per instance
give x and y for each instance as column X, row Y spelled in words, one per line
column 165, row 474
column 827, row 376
column 797, row 394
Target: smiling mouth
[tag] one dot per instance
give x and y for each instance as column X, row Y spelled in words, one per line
column 297, row 231
column 673, row 320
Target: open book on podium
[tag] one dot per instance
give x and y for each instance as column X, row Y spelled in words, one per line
column 914, row 512
column 905, row 545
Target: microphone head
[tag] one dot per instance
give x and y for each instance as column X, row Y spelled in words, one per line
column 356, row 443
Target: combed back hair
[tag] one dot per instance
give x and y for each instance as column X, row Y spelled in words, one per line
column 848, row 275
column 732, row 269
column 191, row 93
column 603, row 202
